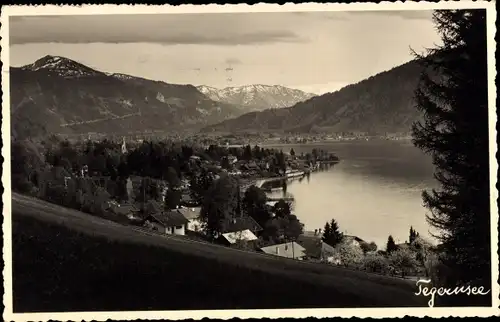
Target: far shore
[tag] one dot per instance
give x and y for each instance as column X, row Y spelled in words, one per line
column 322, row 142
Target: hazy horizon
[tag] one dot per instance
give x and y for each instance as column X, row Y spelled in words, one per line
column 317, row 52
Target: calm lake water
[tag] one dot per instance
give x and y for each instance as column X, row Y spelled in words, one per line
column 375, row 190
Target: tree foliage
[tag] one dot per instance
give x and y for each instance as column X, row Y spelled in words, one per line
column 349, row 254
column 332, row 235
column 217, row 210
column 455, row 133
column 404, row 261
column 376, row 263
column 368, row 247
column 413, row 235
column 391, row 245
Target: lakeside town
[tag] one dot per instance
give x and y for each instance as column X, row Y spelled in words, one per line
column 239, row 139
column 220, row 194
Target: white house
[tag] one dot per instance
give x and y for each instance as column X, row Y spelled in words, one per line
column 288, row 250
column 354, row 240
column 169, row 222
column 193, row 217
column 244, row 235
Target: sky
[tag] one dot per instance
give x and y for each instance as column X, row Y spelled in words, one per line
column 317, row 52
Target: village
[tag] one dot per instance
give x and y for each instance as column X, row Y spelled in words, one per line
column 234, row 196
column 183, row 218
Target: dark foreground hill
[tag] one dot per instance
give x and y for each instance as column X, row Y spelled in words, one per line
column 65, row 260
column 380, row 104
column 58, row 95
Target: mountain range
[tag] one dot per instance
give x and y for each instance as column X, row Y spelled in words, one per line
column 59, row 95
column 381, row 104
column 257, row 97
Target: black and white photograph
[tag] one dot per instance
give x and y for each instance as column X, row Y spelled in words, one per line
column 166, row 162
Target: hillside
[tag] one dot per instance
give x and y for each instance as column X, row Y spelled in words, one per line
column 59, row 95
column 257, row 97
column 382, row 103
column 124, row 267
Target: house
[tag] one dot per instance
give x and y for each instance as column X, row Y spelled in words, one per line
column 239, row 224
column 288, row 250
column 167, row 222
column 192, row 214
column 355, row 240
column 128, row 210
column 316, row 249
column 232, row 159
column 239, row 236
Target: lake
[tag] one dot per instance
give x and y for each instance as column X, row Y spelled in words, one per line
column 375, row 190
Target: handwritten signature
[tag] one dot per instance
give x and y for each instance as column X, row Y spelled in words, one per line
column 442, row 291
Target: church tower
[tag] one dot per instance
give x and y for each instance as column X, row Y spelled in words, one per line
column 124, row 146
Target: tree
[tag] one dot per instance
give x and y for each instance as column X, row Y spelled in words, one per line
column 200, row 184
column 219, row 206
column 332, row 235
column 293, row 228
column 225, row 164
column 454, row 132
column 254, row 197
column 413, row 235
column 173, row 198
column 282, row 209
column 282, row 229
column 368, row 247
column 254, row 205
column 326, row 232
column 403, row 260
column 173, row 178
column 374, row 262
column 422, row 249
column 247, row 153
column 391, row 245
column 348, row 254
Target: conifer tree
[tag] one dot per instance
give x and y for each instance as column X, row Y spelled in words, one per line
column 453, row 96
column 391, row 245
column 413, row 235
column 335, row 235
column 326, row 232
column 331, row 234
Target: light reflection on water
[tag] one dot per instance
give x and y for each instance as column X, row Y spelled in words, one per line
column 375, row 190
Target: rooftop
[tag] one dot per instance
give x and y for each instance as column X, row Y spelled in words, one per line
column 190, row 212
column 289, row 250
column 245, row 235
column 240, row 224
column 170, row 218
column 314, row 246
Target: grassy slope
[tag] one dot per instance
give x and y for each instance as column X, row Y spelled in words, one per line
column 74, row 267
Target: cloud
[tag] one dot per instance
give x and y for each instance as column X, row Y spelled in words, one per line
column 164, row 29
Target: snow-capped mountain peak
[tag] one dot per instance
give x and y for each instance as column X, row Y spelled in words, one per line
column 62, row 66
column 257, row 96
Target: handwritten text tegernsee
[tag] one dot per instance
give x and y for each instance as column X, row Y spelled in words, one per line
column 442, row 291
